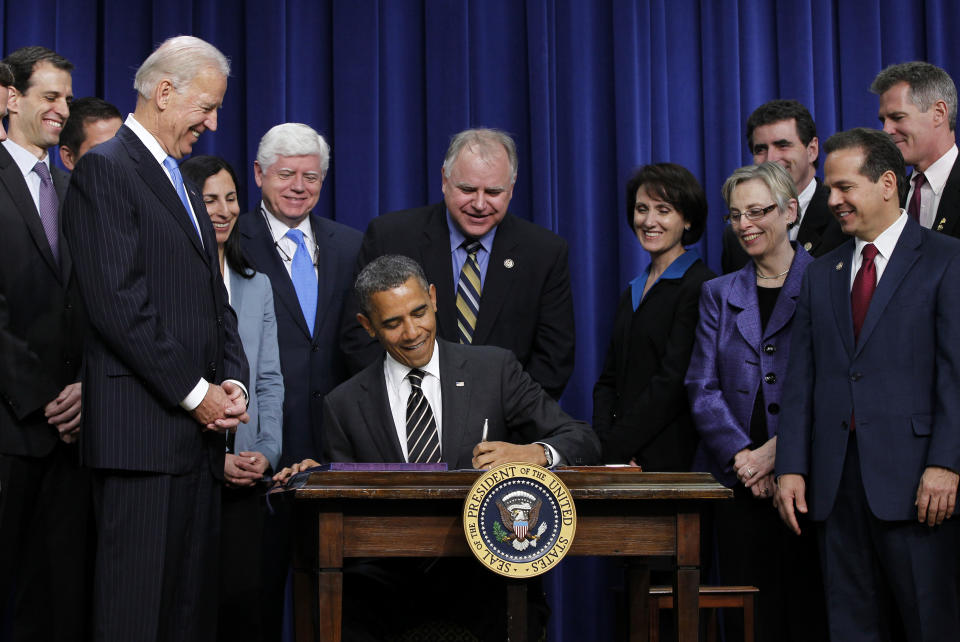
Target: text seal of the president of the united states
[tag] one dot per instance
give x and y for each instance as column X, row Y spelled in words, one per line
column 519, row 520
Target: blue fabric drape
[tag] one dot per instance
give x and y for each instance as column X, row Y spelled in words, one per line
column 590, row 89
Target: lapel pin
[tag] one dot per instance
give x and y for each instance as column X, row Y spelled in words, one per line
column 807, row 246
column 941, row 223
column 459, row 384
column 839, row 266
column 508, row 263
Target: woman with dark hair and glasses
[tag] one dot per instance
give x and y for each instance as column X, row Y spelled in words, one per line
column 255, row 448
column 735, row 382
column 640, row 410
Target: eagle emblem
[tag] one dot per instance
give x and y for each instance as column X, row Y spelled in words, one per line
column 520, row 513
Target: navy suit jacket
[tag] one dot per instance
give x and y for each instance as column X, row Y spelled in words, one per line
column 733, row 357
column 312, row 365
column 477, row 383
column 900, row 379
column 257, row 323
column 158, row 311
column 526, row 305
column 41, row 317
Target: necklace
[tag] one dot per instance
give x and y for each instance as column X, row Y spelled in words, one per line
column 772, row 276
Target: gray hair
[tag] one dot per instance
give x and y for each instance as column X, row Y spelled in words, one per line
column 385, row 273
column 771, row 174
column 179, row 60
column 484, row 143
column 292, row 139
column 928, row 84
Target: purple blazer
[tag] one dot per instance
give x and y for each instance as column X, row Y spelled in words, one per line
column 731, row 357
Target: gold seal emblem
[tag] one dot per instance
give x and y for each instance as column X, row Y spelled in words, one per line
column 519, row 520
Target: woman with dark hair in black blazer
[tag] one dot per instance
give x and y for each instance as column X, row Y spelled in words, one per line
column 640, row 407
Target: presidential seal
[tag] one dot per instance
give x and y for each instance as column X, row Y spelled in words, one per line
column 519, row 520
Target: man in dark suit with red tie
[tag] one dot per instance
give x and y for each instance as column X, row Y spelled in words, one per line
column 44, row 494
column 869, row 442
column 164, row 371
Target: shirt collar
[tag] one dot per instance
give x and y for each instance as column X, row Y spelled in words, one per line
column 279, row 229
column 457, row 237
column 148, row 139
column 675, row 270
column 24, row 159
column 887, row 240
column 804, row 198
column 395, row 372
column 938, row 173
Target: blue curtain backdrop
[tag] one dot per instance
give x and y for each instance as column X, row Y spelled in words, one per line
column 589, row 88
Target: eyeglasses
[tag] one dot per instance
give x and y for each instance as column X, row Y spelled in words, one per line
column 752, row 214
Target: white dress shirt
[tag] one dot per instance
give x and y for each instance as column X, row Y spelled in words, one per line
column 803, row 202
column 25, row 160
column 286, row 247
column 884, row 244
column 932, row 189
column 398, row 391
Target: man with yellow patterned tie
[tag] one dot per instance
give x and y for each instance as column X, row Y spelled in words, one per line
column 500, row 280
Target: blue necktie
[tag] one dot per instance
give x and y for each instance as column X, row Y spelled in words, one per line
column 304, row 278
column 171, row 164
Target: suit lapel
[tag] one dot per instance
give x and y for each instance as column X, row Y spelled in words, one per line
column 905, row 254
column 815, row 219
column 326, row 269
column 156, row 179
column 437, row 264
column 947, row 219
column 743, row 297
column 374, row 408
column 264, row 257
column 787, row 300
column 498, row 283
column 61, row 181
column 840, row 294
column 16, row 186
column 456, row 401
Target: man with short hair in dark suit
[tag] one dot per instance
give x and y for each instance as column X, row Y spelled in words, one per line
column 869, row 441
column 92, row 121
column 164, row 372
column 309, row 260
column 918, row 108
column 783, row 131
column 430, row 400
column 500, row 280
column 44, row 494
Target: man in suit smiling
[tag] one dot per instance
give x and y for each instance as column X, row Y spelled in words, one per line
column 164, row 372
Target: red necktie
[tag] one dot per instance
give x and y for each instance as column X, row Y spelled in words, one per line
column 913, row 209
column 863, row 286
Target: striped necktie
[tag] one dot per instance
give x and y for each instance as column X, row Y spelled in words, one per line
column 423, row 442
column 48, row 208
column 468, row 293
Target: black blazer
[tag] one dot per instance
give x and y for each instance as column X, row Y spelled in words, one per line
column 312, row 365
column 41, row 317
column 158, row 311
column 526, row 305
column 947, row 219
column 819, row 233
column 477, row 383
column 640, row 407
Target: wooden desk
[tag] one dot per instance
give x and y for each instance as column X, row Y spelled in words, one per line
column 400, row 514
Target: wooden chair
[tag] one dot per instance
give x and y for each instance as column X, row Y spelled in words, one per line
column 711, row 597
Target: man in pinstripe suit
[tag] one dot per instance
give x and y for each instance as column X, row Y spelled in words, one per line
column 163, row 369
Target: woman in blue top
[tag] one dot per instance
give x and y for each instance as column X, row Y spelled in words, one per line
column 640, row 408
column 255, row 448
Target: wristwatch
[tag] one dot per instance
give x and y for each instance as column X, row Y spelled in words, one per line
column 548, row 454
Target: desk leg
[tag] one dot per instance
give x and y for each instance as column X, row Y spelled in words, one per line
column 638, row 600
column 517, row 611
column 329, row 579
column 686, row 582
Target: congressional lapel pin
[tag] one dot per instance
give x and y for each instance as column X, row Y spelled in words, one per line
column 839, row 266
column 459, row 384
column 941, row 223
column 508, row 263
column 807, row 246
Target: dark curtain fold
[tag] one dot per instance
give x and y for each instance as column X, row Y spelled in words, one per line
column 590, row 90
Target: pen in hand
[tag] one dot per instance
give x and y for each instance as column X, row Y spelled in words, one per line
column 486, row 427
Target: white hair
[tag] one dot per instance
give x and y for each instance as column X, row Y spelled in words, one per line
column 179, row 60
column 292, row 139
